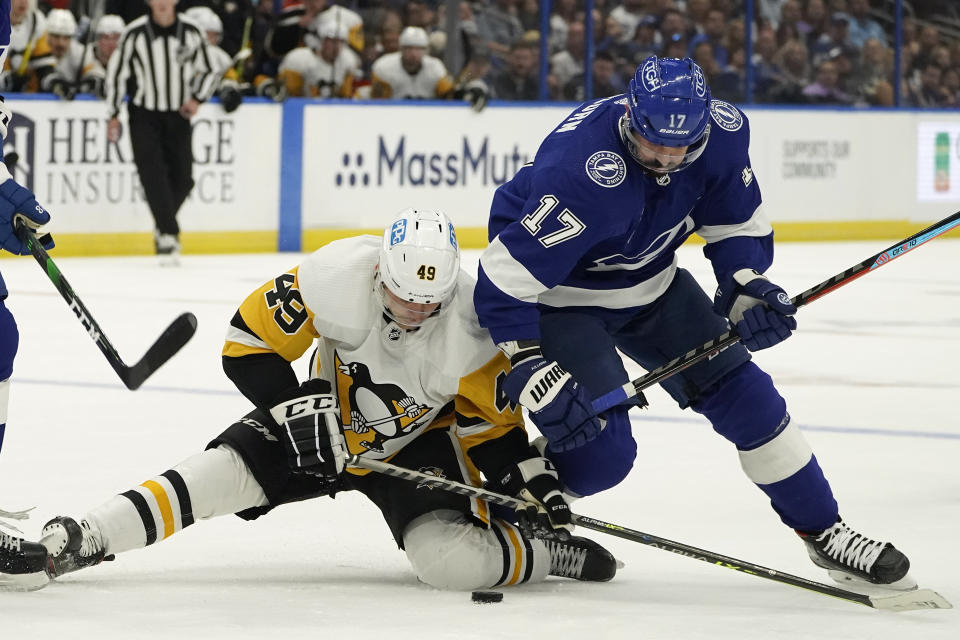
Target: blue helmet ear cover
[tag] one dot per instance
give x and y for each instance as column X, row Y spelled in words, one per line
column 668, row 102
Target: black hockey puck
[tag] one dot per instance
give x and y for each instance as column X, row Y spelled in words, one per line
column 483, row 597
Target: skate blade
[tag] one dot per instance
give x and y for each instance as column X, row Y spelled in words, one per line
column 906, row 583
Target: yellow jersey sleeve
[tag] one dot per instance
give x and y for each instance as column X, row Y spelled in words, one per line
column 273, row 319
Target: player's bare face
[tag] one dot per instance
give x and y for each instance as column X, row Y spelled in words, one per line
column 408, row 315
column 659, row 158
column 58, row 44
column 412, row 58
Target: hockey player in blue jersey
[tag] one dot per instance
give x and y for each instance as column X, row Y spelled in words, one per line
column 14, row 199
column 582, row 262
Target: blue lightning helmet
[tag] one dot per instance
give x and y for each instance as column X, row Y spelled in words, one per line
column 668, row 105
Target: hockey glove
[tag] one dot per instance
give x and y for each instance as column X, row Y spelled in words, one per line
column 557, row 404
column 760, row 310
column 18, row 203
column 308, row 417
column 63, row 88
column 535, row 480
column 230, row 98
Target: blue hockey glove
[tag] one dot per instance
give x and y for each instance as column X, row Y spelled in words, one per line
column 558, row 405
column 16, row 202
column 760, row 310
column 309, row 419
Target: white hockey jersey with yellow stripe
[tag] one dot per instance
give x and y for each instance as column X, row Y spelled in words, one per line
column 391, row 80
column 307, row 74
column 392, row 384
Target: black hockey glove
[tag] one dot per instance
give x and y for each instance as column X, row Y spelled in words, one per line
column 63, row 88
column 535, row 480
column 230, row 98
column 309, row 418
column 273, row 89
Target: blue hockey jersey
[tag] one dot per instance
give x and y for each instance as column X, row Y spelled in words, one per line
column 584, row 226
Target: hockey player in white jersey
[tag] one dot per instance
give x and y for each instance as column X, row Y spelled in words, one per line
column 61, row 29
column 106, row 37
column 401, row 371
column 325, row 67
column 410, row 73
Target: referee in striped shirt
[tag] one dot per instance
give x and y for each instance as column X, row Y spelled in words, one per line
column 163, row 63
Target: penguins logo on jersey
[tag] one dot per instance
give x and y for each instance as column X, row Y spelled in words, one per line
column 374, row 412
column 726, row 115
column 606, row 168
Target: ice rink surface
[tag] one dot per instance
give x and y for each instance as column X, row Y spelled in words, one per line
column 871, row 377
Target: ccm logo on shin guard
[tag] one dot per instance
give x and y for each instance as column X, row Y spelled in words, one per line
column 543, row 387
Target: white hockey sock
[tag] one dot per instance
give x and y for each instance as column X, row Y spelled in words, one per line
column 449, row 551
column 213, row 483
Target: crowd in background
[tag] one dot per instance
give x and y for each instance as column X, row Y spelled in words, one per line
column 804, row 51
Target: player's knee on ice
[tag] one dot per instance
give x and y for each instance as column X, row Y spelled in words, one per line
column 601, row 463
column 448, row 551
column 9, row 339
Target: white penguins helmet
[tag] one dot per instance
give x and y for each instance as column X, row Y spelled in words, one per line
column 414, row 37
column 61, row 22
column 109, row 24
column 419, row 262
column 322, row 28
column 205, row 18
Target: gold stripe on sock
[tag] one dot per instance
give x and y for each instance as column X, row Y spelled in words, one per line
column 163, row 502
column 517, row 553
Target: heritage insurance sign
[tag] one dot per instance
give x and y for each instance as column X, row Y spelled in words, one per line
column 92, row 185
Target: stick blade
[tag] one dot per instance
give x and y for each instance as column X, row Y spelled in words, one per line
column 911, row 601
column 170, row 341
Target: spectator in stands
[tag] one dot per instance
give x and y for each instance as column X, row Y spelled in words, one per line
column 518, row 81
column 871, row 73
column 566, row 64
column 107, row 33
column 28, row 59
column 766, row 73
column 928, row 91
column 528, row 12
column 563, row 13
column 815, row 21
column 628, row 15
column 951, row 87
column 834, row 37
column 676, row 46
column 793, row 62
column 498, row 26
column 770, row 11
column 927, row 40
column 730, row 82
column 673, row 22
column 788, row 27
column 825, row 89
column 323, row 68
column 603, row 81
column 410, row 72
column 714, row 32
column 697, row 11
column 862, row 26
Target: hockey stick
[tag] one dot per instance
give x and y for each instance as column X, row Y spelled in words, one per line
column 169, row 342
column 721, row 342
column 904, row 601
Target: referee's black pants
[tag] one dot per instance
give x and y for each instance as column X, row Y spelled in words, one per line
column 163, row 152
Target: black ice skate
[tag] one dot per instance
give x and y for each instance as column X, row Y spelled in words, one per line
column 581, row 559
column 850, row 557
column 22, row 564
column 71, row 546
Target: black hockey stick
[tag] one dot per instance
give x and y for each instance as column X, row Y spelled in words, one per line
column 169, row 342
column 721, row 342
column 902, row 601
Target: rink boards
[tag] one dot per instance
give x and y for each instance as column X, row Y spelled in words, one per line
column 292, row 176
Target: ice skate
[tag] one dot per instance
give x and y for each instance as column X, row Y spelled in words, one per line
column 71, row 546
column 167, row 246
column 851, row 558
column 22, row 564
column 580, row 559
